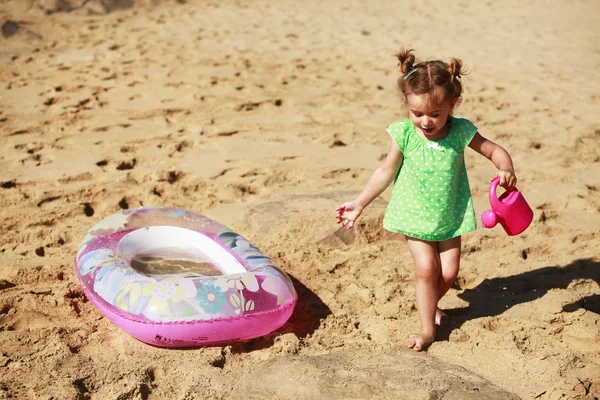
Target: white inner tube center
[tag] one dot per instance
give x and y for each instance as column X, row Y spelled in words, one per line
column 173, row 239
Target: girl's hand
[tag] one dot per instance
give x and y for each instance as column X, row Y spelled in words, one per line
column 348, row 213
column 508, row 180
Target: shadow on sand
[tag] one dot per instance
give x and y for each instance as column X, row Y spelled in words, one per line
column 493, row 297
column 305, row 320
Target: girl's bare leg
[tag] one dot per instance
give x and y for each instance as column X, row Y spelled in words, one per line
column 449, row 253
column 427, row 274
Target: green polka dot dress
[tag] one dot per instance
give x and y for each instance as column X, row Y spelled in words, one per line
column 431, row 197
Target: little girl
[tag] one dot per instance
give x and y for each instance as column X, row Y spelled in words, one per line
column 431, row 199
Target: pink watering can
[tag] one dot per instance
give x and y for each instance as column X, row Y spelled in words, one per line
column 510, row 210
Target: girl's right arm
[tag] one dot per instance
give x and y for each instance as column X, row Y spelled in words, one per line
column 348, row 213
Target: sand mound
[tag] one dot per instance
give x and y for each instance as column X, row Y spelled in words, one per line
column 365, row 374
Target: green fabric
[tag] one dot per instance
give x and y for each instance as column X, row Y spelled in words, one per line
column 431, row 197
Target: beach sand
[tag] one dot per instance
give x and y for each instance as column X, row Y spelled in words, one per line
column 265, row 116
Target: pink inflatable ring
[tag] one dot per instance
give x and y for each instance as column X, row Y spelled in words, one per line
column 173, row 278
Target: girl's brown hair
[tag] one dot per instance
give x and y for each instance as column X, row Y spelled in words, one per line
column 437, row 78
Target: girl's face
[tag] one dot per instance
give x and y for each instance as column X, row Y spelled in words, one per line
column 429, row 118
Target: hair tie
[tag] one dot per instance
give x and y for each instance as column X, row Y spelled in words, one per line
column 409, row 73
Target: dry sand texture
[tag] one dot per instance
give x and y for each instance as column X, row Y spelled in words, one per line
column 265, row 116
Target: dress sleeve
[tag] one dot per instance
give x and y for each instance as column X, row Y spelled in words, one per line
column 465, row 131
column 399, row 132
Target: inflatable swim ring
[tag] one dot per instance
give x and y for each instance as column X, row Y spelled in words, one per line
column 173, row 278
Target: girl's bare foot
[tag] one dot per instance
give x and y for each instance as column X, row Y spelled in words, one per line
column 420, row 342
column 441, row 319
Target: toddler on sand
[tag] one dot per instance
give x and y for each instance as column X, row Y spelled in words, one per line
column 431, row 200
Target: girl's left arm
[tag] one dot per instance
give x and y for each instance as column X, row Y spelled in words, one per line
column 499, row 157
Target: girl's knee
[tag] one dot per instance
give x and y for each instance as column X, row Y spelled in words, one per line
column 450, row 269
column 427, row 270
column 450, row 274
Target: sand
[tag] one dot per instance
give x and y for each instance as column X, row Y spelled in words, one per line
column 265, row 116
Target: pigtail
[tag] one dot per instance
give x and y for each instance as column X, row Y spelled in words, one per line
column 456, row 68
column 434, row 77
column 406, row 60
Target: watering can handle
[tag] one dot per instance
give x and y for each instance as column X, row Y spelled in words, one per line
column 495, row 203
